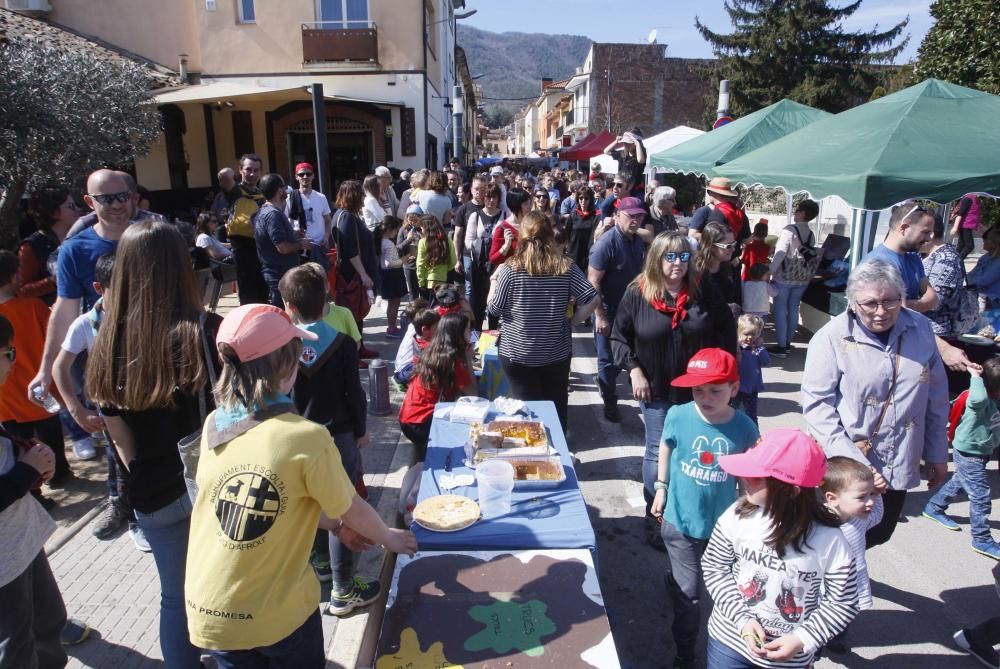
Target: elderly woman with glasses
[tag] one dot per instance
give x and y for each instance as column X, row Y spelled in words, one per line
column 661, row 213
column 874, row 389
column 665, row 316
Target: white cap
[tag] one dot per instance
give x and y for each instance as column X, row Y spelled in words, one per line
column 382, row 171
column 496, row 170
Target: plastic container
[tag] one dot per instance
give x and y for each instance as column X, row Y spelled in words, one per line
column 534, row 472
column 41, row 394
column 495, row 479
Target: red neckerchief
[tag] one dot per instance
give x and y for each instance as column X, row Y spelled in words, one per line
column 679, row 310
column 453, row 309
column 584, row 214
column 734, row 215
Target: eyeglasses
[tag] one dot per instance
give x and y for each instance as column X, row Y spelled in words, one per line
column 304, row 174
column 108, row 198
column 916, row 207
column 726, row 247
column 10, row 354
column 871, row 306
column 673, row 256
column 618, row 185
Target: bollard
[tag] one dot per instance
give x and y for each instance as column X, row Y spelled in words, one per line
column 378, row 388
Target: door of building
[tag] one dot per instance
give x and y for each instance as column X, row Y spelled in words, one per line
column 350, row 155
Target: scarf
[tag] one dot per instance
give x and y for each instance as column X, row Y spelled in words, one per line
column 679, row 310
column 734, row 216
column 584, row 214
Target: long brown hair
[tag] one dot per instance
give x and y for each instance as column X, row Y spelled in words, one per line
column 149, row 345
column 536, row 251
column 710, row 234
column 437, row 363
column 651, row 281
column 435, row 240
column 793, row 512
column 350, row 196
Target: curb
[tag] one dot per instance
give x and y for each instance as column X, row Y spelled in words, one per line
column 74, row 529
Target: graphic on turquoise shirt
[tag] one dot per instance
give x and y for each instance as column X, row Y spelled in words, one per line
column 703, row 465
column 511, row 625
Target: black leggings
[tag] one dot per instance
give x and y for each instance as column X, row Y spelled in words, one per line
column 892, row 501
column 540, row 382
column 249, row 279
column 419, row 434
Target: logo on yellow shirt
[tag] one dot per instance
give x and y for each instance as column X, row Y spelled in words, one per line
column 247, row 505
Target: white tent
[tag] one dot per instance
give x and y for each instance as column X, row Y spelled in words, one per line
column 660, row 142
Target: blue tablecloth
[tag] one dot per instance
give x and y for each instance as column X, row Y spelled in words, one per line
column 553, row 518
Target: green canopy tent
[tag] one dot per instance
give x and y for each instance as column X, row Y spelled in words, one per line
column 935, row 141
column 702, row 154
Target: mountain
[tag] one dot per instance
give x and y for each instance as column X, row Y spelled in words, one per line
column 513, row 64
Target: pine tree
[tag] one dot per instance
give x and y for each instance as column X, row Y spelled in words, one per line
column 798, row 49
column 959, row 46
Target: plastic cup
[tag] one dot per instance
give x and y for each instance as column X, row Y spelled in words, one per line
column 495, row 479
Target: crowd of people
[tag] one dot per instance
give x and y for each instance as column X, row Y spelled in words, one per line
column 235, row 443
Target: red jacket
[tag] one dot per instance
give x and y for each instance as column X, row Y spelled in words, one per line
column 496, row 243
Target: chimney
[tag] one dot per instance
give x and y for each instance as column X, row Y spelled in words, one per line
column 546, row 82
column 182, row 69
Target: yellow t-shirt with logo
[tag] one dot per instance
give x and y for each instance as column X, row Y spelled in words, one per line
column 248, row 580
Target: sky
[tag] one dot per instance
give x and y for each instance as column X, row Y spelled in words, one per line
column 673, row 20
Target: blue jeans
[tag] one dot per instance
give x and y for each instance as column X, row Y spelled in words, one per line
column 302, row 649
column 166, row 531
column 653, row 415
column 786, row 312
column 721, row 656
column 970, row 476
column 607, row 370
column 467, row 266
column 341, row 557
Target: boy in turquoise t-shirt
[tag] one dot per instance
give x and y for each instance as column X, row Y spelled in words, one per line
column 976, row 438
column 692, row 490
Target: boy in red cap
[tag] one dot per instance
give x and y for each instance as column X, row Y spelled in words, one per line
column 691, row 490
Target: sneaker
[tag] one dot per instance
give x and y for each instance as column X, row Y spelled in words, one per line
column 74, row 632
column 321, row 565
column 84, row 449
column 988, row 548
column 941, row 518
column 111, row 519
column 367, row 353
column 393, row 333
column 611, row 413
column 778, row 351
column 361, row 593
column 981, row 651
column 138, row 537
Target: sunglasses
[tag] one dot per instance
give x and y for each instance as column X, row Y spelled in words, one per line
column 108, row 198
column 618, row 185
column 10, row 354
column 304, row 174
column 673, row 256
column 728, row 247
column 542, row 195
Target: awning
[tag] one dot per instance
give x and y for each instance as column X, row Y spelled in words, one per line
column 217, row 91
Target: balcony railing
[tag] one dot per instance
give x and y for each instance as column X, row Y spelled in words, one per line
column 340, row 41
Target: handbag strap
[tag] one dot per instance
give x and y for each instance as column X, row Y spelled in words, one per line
column 892, row 386
column 207, row 352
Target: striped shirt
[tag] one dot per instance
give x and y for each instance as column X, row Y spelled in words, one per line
column 854, row 530
column 812, row 595
column 532, row 310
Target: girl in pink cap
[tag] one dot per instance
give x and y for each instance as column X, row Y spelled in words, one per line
column 777, row 567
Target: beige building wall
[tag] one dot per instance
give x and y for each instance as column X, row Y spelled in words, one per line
column 158, row 30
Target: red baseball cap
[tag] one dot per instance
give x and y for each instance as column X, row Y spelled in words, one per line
column 709, row 365
column 254, row 330
column 304, row 166
column 787, row 454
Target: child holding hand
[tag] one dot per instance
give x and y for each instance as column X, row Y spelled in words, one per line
column 777, row 567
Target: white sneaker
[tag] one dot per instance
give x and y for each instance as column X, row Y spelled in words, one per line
column 84, row 449
column 138, row 538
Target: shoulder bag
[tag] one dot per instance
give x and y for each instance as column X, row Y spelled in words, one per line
column 866, row 445
column 189, row 447
column 966, row 307
column 800, row 267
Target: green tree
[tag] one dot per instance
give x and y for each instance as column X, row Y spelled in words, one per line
column 798, row 49
column 959, row 46
column 64, row 114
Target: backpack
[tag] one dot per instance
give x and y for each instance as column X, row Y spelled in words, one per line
column 801, row 267
column 966, row 316
column 955, row 415
column 240, row 221
column 481, row 247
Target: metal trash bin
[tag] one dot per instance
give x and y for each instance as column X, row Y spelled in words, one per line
column 378, row 388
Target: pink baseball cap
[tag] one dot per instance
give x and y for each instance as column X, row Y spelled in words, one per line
column 254, row 330
column 786, row 453
column 709, row 365
column 631, row 205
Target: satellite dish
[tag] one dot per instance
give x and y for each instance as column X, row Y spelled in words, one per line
column 651, row 37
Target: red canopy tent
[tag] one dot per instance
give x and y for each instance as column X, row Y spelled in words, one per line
column 588, row 147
